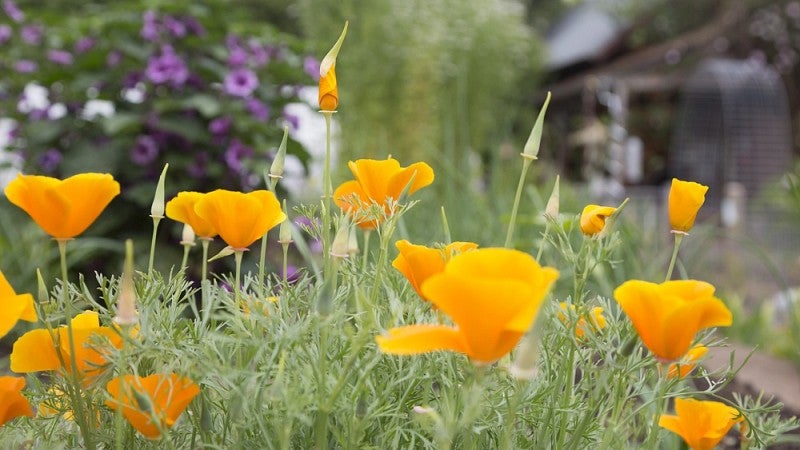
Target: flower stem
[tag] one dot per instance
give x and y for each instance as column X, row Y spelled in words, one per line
column 659, row 392
column 526, row 163
column 365, row 256
column 262, row 260
column 544, row 239
column 185, row 258
column 678, row 240
column 237, row 254
column 327, row 194
column 156, row 221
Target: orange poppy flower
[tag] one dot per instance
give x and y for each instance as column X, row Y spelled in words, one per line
column 377, row 181
column 328, row 88
column 685, row 200
column 63, row 208
column 596, row 320
column 181, row 209
column 12, row 403
column 168, row 396
column 14, row 307
column 593, row 218
column 36, row 351
column 687, row 363
column 702, row 424
column 239, row 218
column 492, row 295
column 668, row 315
column 418, row 263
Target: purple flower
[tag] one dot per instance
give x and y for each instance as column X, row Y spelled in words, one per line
column 149, row 31
column 25, row 66
column 50, row 160
column 167, row 67
column 292, row 120
column 220, row 126
column 5, row 33
column 311, row 67
column 83, row 45
column 292, row 274
column 237, row 57
column 31, row 34
column 194, row 26
column 175, row 27
column 258, row 109
column 197, row 169
column 37, row 114
column 144, row 151
column 258, row 53
column 61, row 57
column 113, row 58
column 234, row 155
column 12, row 11
column 240, row 82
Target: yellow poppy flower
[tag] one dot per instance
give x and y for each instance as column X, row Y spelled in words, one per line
column 239, row 218
column 702, row 424
column 418, row 263
column 36, row 351
column 376, row 181
column 492, row 295
column 14, row 307
column 687, row 363
column 328, row 88
column 168, row 396
column 668, row 315
column 181, row 209
column 685, row 199
column 63, row 208
column 12, row 403
column 596, row 322
column 593, row 218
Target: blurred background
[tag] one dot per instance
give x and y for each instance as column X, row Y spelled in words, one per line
column 643, row 91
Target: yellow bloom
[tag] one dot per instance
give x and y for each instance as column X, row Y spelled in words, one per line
column 492, row 295
column 63, row 208
column 328, row 88
column 668, row 315
column 593, row 218
column 14, row 307
column 239, row 218
column 702, row 424
column 181, row 209
column 418, row 263
column 168, row 396
column 596, row 322
column 38, row 350
column 685, row 199
column 12, row 403
column 376, row 181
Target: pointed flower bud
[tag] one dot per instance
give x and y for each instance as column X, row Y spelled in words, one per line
column 531, row 149
column 551, row 210
column 328, row 88
column 227, row 251
column 126, row 299
column 157, row 209
column 187, row 235
column 276, row 169
column 339, row 248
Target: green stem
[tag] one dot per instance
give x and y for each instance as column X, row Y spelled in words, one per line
column 285, row 262
column 321, row 419
column 446, row 227
column 510, row 419
column 658, row 401
column 678, row 240
column 526, row 163
column 262, row 261
column 327, row 194
column 156, row 221
column 567, row 396
column 237, row 254
column 544, row 239
column 365, row 255
column 185, row 259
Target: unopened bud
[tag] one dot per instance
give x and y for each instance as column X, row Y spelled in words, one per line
column 157, row 208
column 340, row 247
column 227, row 251
column 285, row 231
column 276, row 169
column 611, row 220
column 524, row 366
column 187, row 235
column 531, row 149
column 43, row 295
column 551, row 210
column 352, row 242
column 126, row 299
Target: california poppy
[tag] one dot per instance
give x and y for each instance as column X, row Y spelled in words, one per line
column 165, row 398
column 668, row 315
column 588, row 321
column 702, row 424
column 418, row 263
column 685, row 200
column 14, row 307
column 377, row 181
column 239, row 218
column 36, row 351
column 12, row 403
column 328, row 88
column 593, row 218
column 181, row 209
column 492, row 295
column 63, row 208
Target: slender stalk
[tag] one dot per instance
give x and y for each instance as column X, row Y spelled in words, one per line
column 262, row 261
column 327, row 194
column 365, row 256
column 285, row 262
column 185, row 259
column 321, row 419
column 544, row 239
column 204, row 265
column 659, row 392
column 156, row 221
column 510, row 419
column 237, row 254
column 678, row 240
column 526, row 163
